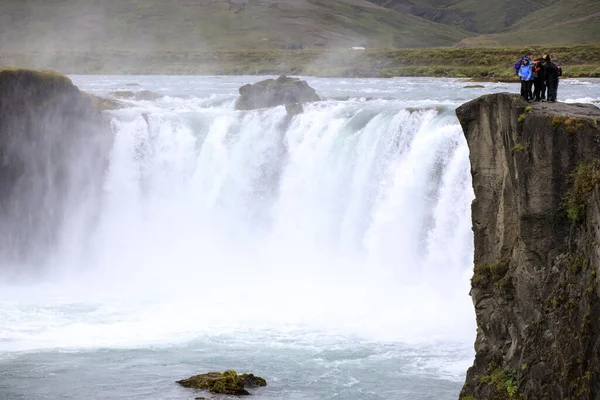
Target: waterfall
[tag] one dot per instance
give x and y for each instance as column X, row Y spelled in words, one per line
column 353, row 216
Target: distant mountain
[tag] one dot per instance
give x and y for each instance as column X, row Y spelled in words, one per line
column 198, row 25
column 564, row 22
column 511, row 22
column 175, row 25
column 480, row 16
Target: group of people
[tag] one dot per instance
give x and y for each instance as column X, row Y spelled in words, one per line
column 540, row 75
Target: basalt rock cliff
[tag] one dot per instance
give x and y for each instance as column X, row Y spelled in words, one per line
column 54, row 144
column 536, row 223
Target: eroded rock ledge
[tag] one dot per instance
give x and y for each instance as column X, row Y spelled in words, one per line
column 535, row 284
column 54, row 145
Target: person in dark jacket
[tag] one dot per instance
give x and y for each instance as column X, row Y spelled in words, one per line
column 526, row 75
column 552, row 72
column 539, row 79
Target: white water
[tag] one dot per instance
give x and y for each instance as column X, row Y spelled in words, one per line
column 264, row 244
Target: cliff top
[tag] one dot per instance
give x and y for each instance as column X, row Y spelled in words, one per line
column 535, row 284
column 568, row 115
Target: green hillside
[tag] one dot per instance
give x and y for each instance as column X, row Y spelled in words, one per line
column 145, row 25
column 480, row 16
column 564, row 22
column 511, row 22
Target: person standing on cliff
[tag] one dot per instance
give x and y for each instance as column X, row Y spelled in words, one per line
column 539, row 79
column 526, row 74
column 553, row 72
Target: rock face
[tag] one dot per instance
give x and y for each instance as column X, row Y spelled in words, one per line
column 275, row 92
column 54, row 145
column 536, row 222
column 228, row 382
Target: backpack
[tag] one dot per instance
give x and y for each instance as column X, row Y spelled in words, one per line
column 518, row 66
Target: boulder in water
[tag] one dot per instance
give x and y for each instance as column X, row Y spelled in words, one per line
column 228, row 382
column 275, row 92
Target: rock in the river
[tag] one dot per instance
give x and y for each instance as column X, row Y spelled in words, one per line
column 275, row 92
column 536, row 224
column 252, row 381
column 228, row 382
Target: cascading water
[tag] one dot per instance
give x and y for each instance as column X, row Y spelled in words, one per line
column 329, row 252
column 342, row 216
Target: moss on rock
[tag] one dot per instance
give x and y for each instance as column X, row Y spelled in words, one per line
column 519, row 147
column 584, row 178
column 484, row 275
column 228, row 382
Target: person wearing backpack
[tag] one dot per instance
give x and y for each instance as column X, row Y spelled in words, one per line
column 539, row 79
column 519, row 62
column 552, row 73
column 526, row 75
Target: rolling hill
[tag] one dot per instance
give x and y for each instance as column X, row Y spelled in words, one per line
column 196, row 25
column 511, row 22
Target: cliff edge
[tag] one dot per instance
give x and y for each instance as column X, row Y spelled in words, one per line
column 54, row 145
column 536, row 223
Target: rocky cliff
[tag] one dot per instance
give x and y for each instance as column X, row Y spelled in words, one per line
column 536, row 223
column 54, row 145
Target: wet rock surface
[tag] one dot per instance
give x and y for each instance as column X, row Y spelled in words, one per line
column 275, row 92
column 536, row 224
column 54, row 144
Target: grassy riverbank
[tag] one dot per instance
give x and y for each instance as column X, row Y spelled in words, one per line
column 476, row 63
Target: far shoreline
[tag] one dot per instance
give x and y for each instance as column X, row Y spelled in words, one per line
column 475, row 64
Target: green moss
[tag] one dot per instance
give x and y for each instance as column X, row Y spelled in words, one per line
column 557, row 121
column 485, row 274
column 467, row 398
column 573, row 125
column 576, row 263
column 528, row 109
column 227, row 382
column 43, row 75
column 584, row 178
column 522, row 117
column 518, row 148
column 504, row 381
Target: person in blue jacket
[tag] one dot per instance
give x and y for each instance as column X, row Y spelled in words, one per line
column 526, row 75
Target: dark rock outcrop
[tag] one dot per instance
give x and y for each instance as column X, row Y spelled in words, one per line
column 536, row 223
column 228, row 382
column 54, row 145
column 275, row 92
column 252, row 381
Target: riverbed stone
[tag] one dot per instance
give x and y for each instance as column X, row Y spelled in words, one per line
column 275, row 92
